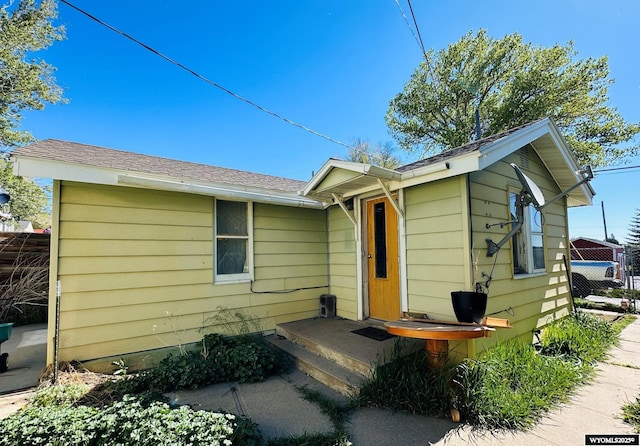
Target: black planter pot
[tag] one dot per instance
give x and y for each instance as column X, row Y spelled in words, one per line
column 469, row 306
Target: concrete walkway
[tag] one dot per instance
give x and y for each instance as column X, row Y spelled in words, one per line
column 27, row 349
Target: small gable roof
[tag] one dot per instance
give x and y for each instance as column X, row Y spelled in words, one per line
column 64, row 160
column 542, row 135
column 593, row 241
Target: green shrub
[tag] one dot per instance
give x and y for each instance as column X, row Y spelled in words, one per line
column 126, row 422
column 239, row 358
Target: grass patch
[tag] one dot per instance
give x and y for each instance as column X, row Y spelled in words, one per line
column 311, row 440
column 590, row 305
column 335, row 411
column 618, row 293
column 513, row 385
column 407, row 383
column 509, row 387
column 631, row 414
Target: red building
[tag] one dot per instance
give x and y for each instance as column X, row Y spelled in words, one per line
column 583, row 248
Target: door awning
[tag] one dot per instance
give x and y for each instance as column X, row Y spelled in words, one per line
column 345, row 179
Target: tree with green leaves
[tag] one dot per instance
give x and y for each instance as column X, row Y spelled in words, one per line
column 26, row 82
column 510, row 83
column 381, row 155
column 29, row 200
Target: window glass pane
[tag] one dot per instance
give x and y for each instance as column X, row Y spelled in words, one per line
column 232, row 256
column 518, row 245
column 380, row 239
column 538, row 251
column 231, row 218
column 535, row 219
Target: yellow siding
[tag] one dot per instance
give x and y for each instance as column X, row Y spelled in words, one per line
column 436, row 219
column 535, row 300
column 136, row 269
column 342, row 263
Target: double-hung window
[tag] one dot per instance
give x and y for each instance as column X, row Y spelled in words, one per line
column 528, row 243
column 233, row 247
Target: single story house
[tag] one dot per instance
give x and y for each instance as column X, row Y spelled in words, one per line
column 146, row 250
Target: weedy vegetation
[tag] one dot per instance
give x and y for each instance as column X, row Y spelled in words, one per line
column 510, row 386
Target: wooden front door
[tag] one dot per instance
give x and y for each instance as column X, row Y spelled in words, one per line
column 382, row 260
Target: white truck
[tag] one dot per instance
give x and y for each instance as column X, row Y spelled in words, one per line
column 589, row 275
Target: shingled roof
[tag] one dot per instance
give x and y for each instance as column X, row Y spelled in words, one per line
column 100, row 157
column 467, row 148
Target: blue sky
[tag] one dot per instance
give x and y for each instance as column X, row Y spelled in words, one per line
column 330, row 65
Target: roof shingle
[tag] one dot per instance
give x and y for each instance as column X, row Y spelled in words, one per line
column 100, row 157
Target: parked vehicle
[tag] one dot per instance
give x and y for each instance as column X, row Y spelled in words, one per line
column 589, row 275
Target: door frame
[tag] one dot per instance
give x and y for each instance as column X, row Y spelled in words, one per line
column 363, row 267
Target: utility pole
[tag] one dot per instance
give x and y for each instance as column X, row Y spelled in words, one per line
column 604, row 221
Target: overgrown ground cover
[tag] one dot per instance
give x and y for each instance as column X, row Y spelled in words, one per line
column 509, row 387
column 131, row 410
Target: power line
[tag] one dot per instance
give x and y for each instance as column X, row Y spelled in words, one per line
column 424, row 52
column 406, row 20
column 203, row 78
column 616, row 168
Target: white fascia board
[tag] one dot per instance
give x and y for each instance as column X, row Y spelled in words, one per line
column 220, row 190
column 497, row 150
column 31, row 167
column 452, row 167
column 56, row 170
column 351, row 166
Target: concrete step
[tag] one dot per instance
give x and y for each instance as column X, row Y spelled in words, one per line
column 320, row 368
column 324, row 350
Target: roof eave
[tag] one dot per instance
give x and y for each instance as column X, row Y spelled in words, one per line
column 362, row 169
column 38, row 167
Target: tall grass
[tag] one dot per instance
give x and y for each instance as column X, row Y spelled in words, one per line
column 512, row 386
column 509, row 387
column 631, row 414
column 408, row 383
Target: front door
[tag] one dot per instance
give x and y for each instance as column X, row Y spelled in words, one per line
column 382, row 260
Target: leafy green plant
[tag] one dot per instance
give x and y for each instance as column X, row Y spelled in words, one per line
column 239, row 358
column 121, row 367
column 124, row 422
column 66, row 395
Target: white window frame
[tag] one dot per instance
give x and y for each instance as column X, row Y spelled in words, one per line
column 527, row 233
column 239, row 277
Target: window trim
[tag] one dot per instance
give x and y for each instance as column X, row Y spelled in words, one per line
column 239, row 277
column 526, row 231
